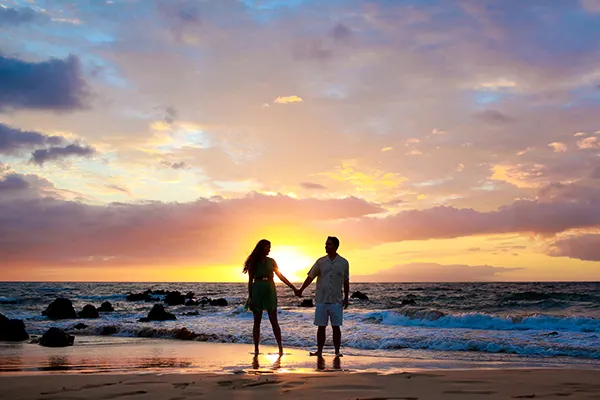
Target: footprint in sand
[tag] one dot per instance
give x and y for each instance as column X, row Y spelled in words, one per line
column 470, row 392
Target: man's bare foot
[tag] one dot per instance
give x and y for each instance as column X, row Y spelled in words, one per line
column 338, row 354
column 316, row 354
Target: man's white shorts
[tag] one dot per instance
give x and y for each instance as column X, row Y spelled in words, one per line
column 325, row 312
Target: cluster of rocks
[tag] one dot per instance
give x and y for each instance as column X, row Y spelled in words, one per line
column 175, row 298
column 12, row 330
column 62, row 308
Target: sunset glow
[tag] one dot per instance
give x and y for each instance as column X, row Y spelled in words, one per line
column 160, row 140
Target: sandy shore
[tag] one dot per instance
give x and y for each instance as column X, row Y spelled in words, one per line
column 470, row 384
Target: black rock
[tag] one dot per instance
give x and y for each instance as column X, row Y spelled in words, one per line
column 88, row 311
column 60, row 308
column 190, row 295
column 408, row 302
column 80, row 325
column 174, row 298
column 218, row 302
column 359, row 295
column 192, row 302
column 109, row 330
column 144, row 319
column 106, row 307
column 306, row 303
column 204, row 300
column 185, row 334
column 55, row 337
column 158, row 313
column 144, row 296
column 12, row 330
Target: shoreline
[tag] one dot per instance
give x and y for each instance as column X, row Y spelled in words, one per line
column 122, row 355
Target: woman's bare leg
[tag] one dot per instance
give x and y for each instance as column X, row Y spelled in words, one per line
column 276, row 329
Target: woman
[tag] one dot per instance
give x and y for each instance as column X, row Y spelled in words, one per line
column 261, row 290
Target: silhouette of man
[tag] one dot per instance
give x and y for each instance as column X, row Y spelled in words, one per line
column 331, row 297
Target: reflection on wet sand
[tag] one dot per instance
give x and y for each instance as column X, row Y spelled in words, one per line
column 336, row 364
column 57, row 363
column 273, row 359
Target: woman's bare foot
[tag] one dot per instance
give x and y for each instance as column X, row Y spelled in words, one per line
column 316, row 354
column 280, row 351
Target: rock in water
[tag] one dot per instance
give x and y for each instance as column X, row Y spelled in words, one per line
column 158, row 313
column 109, row 330
column 55, row 337
column 359, row 295
column 106, row 307
column 60, row 308
column 218, row 302
column 307, row 303
column 175, row 298
column 12, row 330
column 89, row 311
column 185, row 334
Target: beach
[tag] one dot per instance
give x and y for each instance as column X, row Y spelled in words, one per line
column 126, row 368
column 227, row 371
column 407, row 341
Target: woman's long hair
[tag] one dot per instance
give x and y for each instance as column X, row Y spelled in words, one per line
column 257, row 254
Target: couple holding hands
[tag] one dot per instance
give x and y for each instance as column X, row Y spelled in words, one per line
column 331, row 297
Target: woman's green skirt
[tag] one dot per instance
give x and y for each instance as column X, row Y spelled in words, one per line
column 264, row 296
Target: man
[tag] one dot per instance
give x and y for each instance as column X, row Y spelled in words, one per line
column 331, row 297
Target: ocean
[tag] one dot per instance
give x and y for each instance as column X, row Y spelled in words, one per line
column 551, row 323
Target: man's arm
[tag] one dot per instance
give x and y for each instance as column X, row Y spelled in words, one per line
column 312, row 274
column 346, row 285
column 307, row 282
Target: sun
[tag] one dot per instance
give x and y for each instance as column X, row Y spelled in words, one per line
column 292, row 262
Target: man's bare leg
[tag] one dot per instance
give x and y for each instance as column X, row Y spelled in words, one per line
column 320, row 341
column 337, row 340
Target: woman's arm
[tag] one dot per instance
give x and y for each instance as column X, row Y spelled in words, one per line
column 250, row 279
column 281, row 277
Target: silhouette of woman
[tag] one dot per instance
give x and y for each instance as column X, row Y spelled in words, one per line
column 262, row 295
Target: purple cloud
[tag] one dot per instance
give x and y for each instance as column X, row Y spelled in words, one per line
column 13, row 139
column 17, row 16
column 583, row 247
column 53, row 85
column 311, row 185
column 41, row 156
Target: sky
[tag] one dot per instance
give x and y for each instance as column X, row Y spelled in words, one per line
column 155, row 140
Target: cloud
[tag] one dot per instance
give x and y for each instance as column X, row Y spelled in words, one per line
column 388, row 148
column 583, row 247
column 559, row 208
column 591, row 6
column 589, row 143
column 59, row 232
column 311, row 185
column 118, row 189
column 53, row 85
column 432, row 272
column 558, row 147
column 175, row 165
column 12, row 181
column 493, row 117
column 41, row 156
column 439, row 132
column 17, row 16
column 288, row 99
column 12, row 139
column 341, row 33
